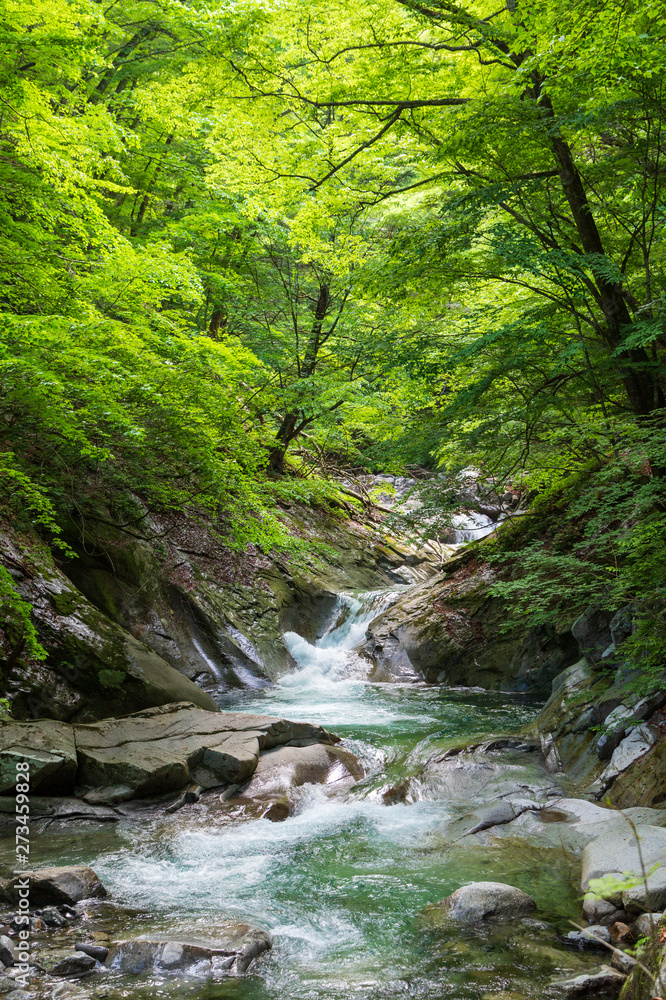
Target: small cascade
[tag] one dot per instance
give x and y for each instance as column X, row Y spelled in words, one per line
column 471, row 526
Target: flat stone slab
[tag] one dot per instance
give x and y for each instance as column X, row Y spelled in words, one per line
column 148, row 753
column 163, row 749
column 50, row 749
column 223, row 958
column 618, row 853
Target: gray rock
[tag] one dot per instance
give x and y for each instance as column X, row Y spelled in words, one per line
column 600, row 911
column 622, row 962
column 616, row 723
column 596, row 937
column 646, row 923
column 285, row 768
column 7, row 950
column 635, row 745
column 164, row 749
column 96, row 951
column 480, row 776
column 19, row 995
column 616, row 853
column 231, row 956
column 592, row 633
column 69, row 884
column 47, row 746
column 78, row 964
column 621, row 625
column 7, row 984
column 109, row 795
column 480, row 901
column 597, row 986
column 52, row 917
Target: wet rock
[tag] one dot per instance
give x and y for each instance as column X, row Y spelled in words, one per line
column 277, row 812
column 68, row 991
column 450, row 630
column 78, row 964
column 165, row 749
column 280, row 770
column 601, row 985
column 109, row 795
column 52, row 917
column 230, row 957
column 615, row 853
column 69, row 884
column 96, row 951
column 596, row 937
column 7, row 950
column 480, row 776
column 481, row 901
column 6, row 984
column 47, row 746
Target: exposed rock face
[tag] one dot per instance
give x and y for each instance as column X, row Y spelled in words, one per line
column 165, row 749
column 628, row 757
column 69, row 884
column 158, row 750
column 478, row 775
column 231, row 956
column 613, row 853
column 50, row 749
column 447, row 630
column 133, row 621
column 481, row 901
column 592, row 631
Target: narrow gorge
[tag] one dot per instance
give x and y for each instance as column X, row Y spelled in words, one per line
column 381, row 807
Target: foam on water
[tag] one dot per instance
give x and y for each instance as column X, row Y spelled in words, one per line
column 340, row 881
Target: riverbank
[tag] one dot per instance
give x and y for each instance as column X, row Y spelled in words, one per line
column 453, row 787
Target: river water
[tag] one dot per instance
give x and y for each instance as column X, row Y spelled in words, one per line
column 340, row 884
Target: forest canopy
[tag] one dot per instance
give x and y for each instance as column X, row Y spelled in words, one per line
column 248, row 246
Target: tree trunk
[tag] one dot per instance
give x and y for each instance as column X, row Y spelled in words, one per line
column 642, row 391
column 288, row 430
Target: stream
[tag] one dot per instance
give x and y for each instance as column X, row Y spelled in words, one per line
column 340, row 884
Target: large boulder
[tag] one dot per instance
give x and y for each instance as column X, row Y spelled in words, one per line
column 284, row 768
column 53, row 886
column 617, row 853
column 481, row 901
column 164, row 749
column 48, row 747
